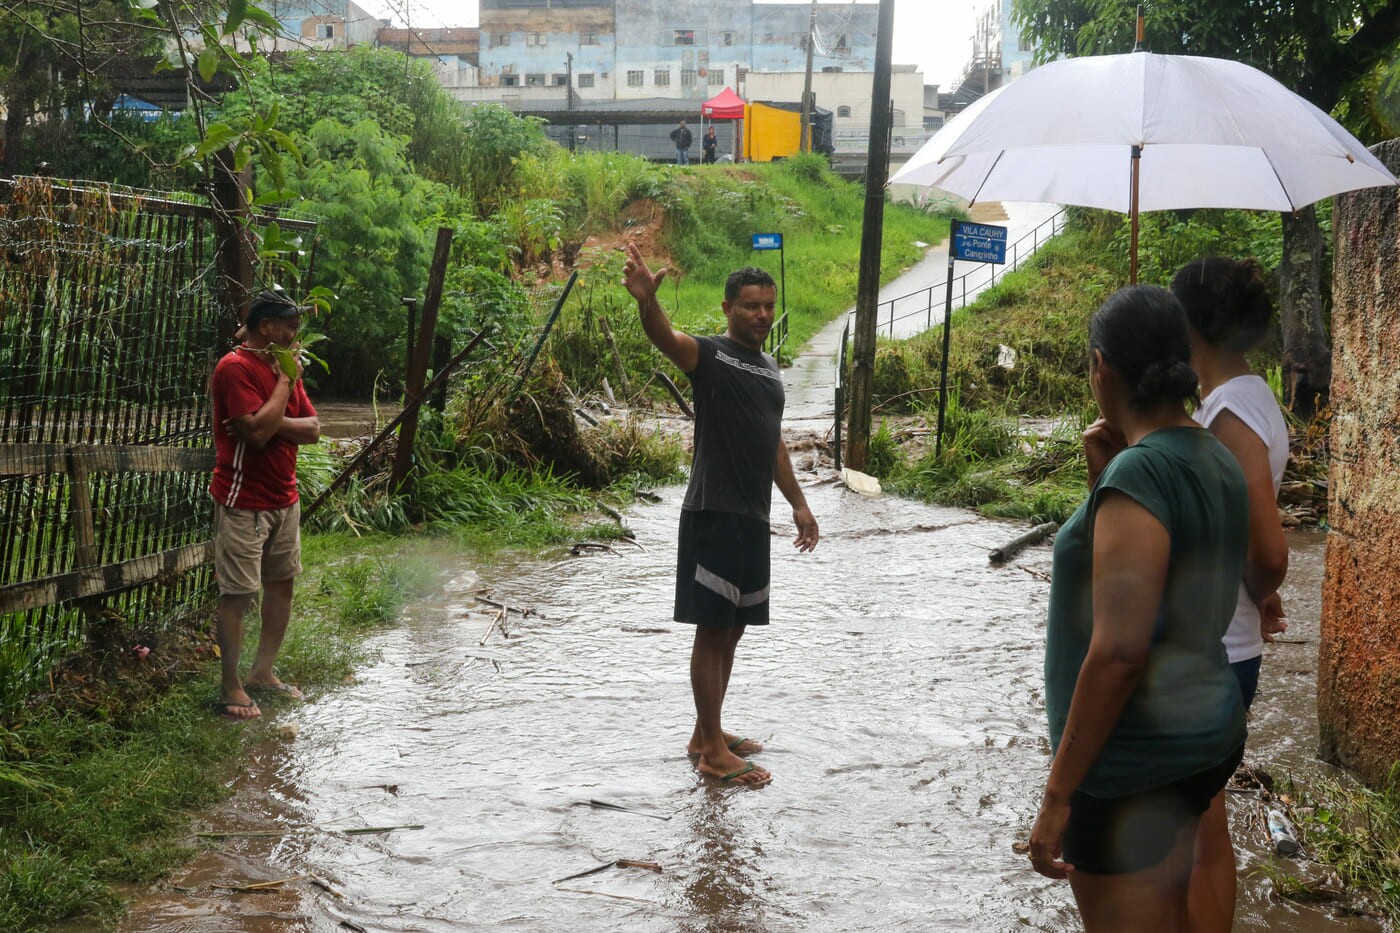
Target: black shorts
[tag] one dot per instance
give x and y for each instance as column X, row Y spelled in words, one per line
column 1121, row 835
column 722, row 569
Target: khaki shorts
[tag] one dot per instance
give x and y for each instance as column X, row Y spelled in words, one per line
column 255, row 547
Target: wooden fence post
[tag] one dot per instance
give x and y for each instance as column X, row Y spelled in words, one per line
column 422, row 350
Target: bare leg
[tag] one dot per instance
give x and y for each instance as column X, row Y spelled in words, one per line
column 276, row 613
column 749, row 747
column 1212, row 891
column 711, row 660
column 1150, row 901
column 228, row 632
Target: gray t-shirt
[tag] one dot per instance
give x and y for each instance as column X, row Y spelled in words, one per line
column 738, row 417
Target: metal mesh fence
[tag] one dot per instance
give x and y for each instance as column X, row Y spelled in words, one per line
column 109, row 329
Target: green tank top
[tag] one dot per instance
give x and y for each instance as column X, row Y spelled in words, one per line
column 1185, row 715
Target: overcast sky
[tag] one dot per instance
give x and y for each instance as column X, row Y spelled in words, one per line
column 936, row 35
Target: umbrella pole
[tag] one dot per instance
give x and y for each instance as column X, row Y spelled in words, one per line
column 1133, row 215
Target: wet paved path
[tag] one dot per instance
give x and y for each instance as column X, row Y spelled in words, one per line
column 898, row 692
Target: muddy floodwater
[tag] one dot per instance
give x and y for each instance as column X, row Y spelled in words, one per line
column 898, row 693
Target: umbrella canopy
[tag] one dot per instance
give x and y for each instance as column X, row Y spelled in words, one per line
column 1145, row 132
column 726, row 105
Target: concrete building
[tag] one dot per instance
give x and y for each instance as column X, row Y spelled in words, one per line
column 681, row 49
column 454, row 51
column 999, row 54
column 318, row 24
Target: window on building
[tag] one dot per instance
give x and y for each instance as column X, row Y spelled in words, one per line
column 739, row 75
column 832, row 69
column 634, row 79
column 510, row 80
column 536, row 38
column 588, row 38
column 499, row 40
column 843, row 111
column 727, row 38
column 585, row 80
column 560, row 80
column 662, row 77
column 325, row 30
column 687, row 77
column 534, row 80
column 683, row 37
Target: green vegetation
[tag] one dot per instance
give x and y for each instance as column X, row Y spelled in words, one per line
column 1353, row 829
column 1011, row 434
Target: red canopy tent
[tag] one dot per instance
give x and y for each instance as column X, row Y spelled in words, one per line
column 726, row 105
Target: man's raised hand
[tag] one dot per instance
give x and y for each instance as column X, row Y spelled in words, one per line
column 641, row 283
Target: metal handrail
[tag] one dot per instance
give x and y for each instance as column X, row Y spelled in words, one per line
column 1018, row 256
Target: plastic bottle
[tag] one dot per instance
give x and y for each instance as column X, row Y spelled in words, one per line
column 1285, row 843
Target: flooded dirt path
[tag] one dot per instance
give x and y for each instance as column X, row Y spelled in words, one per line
column 898, row 693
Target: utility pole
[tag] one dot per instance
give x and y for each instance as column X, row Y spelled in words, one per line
column 872, row 229
column 806, row 136
column 569, row 95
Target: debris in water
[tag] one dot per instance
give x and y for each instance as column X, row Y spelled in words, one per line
column 1013, row 547
column 619, row 863
column 605, row 805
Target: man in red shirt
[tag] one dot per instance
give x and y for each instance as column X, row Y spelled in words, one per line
column 260, row 418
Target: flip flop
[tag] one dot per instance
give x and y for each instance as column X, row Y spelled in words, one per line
column 224, row 708
column 287, row 689
column 734, row 745
column 748, row 766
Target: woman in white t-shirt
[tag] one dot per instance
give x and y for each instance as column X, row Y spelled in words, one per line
column 1228, row 310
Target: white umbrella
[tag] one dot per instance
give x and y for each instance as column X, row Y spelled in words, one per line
column 1145, row 132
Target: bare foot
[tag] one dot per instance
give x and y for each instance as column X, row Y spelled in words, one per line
column 736, row 743
column 275, row 686
column 731, row 769
column 239, row 707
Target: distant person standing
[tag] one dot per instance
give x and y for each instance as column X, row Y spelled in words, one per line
column 709, row 143
column 682, row 138
column 261, row 416
column 722, row 566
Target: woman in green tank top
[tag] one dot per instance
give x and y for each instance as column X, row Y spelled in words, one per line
column 1145, row 715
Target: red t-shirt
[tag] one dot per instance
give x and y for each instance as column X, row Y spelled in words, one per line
column 247, row 477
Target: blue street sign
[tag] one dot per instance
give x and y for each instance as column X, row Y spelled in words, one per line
column 767, row 241
column 979, row 242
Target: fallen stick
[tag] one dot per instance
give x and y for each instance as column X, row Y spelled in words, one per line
column 366, row 830
column 496, row 605
column 604, row 805
column 618, row 863
column 675, row 394
column 581, row 546
column 1013, row 547
column 620, row 897
column 260, row 886
column 325, row 886
column 499, row 617
column 247, row 834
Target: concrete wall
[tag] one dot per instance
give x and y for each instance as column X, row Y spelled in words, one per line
column 1358, row 676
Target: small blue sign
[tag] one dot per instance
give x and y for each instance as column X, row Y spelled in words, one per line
column 767, row 241
column 979, row 242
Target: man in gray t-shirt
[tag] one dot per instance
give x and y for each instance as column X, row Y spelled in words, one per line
column 722, row 561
